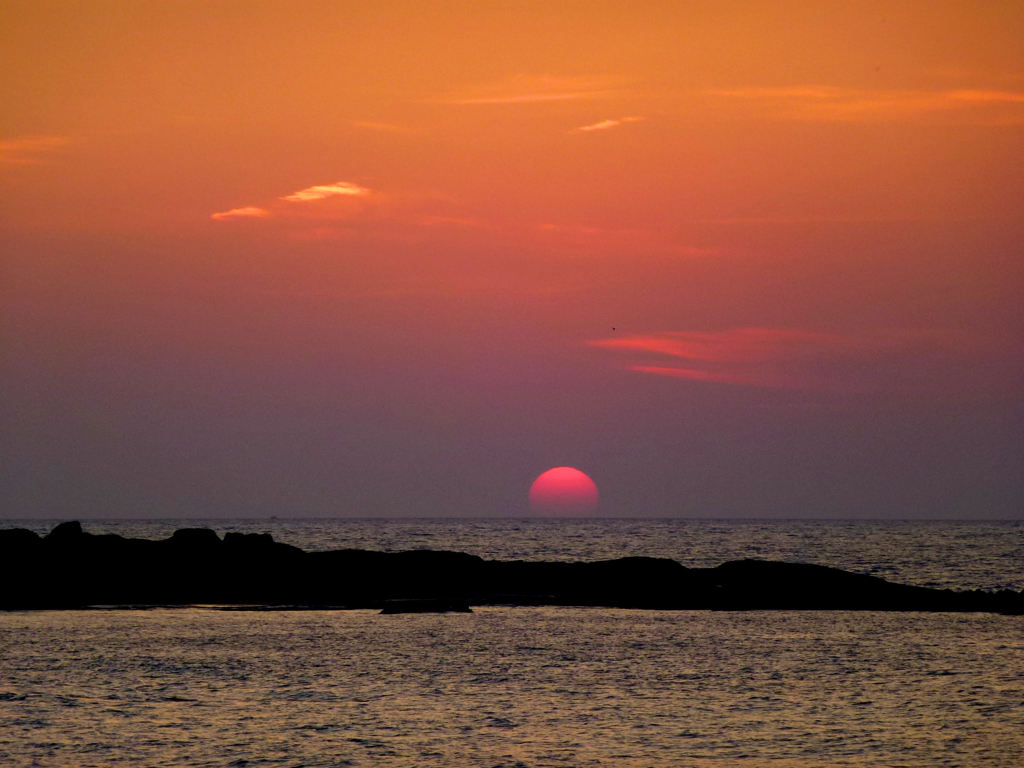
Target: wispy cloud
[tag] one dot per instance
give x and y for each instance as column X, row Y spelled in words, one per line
column 828, row 103
column 27, row 150
column 248, row 212
column 785, row 358
column 320, row 191
column 604, row 125
column 291, row 204
column 525, row 89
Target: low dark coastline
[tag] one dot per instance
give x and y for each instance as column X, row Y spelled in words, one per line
column 71, row 569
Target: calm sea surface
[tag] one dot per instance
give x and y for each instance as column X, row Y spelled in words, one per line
column 532, row 687
column 511, row 687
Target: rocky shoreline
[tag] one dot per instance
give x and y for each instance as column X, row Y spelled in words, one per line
column 71, row 569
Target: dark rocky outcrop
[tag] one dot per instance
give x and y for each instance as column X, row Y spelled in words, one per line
column 70, row 568
column 425, row 605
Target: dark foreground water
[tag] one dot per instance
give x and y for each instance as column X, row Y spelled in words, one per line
column 533, row 687
column 510, row 687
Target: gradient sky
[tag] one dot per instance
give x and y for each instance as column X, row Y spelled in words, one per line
column 752, row 259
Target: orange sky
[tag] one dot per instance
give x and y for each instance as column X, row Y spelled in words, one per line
column 367, row 258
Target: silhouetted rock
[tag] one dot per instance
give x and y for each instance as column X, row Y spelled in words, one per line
column 70, row 568
column 67, row 531
column 425, row 605
column 251, row 541
column 17, row 538
column 196, row 538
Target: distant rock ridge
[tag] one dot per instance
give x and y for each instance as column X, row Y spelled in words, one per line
column 70, row 568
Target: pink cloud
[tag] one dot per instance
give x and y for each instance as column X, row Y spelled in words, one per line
column 784, row 358
column 737, row 345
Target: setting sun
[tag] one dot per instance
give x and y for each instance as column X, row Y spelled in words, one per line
column 563, row 491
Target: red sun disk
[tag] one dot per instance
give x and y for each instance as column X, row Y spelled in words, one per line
column 563, row 491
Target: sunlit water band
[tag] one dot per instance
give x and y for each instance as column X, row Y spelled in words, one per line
column 525, row 687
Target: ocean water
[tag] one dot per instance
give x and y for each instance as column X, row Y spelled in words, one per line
column 932, row 553
column 535, row 687
column 524, row 687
